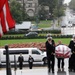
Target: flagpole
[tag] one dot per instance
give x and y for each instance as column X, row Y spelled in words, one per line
column 8, row 67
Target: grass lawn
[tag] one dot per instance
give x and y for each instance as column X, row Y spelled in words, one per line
column 4, row 42
column 43, row 24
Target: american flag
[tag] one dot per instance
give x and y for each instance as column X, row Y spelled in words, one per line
column 6, row 20
column 62, row 51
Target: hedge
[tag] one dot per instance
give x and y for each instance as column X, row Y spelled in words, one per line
column 38, row 37
column 42, row 31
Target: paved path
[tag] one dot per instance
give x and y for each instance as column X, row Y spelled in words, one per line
column 39, row 70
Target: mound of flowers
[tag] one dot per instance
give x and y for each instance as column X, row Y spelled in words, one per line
column 40, row 45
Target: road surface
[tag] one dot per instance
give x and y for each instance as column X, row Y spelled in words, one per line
column 38, row 70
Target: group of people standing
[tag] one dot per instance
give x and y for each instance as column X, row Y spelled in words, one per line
column 21, row 60
column 50, row 50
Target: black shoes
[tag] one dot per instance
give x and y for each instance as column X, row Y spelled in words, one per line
column 74, row 70
column 63, row 69
column 70, row 70
column 53, row 72
column 48, row 70
column 59, row 69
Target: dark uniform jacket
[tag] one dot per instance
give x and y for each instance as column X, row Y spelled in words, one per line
column 30, row 60
column 72, row 46
column 72, row 58
column 20, row 60
column 50, row 48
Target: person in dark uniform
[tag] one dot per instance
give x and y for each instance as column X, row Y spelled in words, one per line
column 72, row 58
column 60, row 60
column 50, row 50
column 62, row 65
column 30, row 60
column 20, row 60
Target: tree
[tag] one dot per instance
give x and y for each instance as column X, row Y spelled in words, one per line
column 55, row 6
column 42, row 13
column 58, row 13
column 17, row 11
column 50, row 3
column 72, row 4
column 59, row 10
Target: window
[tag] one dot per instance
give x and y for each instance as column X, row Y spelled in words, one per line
column 30, row 12
column 35, row 52
column 16, row 52
column 30, row 5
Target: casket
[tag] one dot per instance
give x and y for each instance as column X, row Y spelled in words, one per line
column 62, row 51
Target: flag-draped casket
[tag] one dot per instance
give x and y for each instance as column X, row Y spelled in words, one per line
column 62, row 51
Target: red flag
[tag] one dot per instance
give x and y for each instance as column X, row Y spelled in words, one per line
column 2, row 2
column 6, row 20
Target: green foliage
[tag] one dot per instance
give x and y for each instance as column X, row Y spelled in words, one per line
column 55, row 7
column 43, row 40
column 58, row 12
column 50, row 3
column 17, row 11
column 43, row 23
column 72, row 4
column 42, row 13
column 59, row 9
column 40, row 36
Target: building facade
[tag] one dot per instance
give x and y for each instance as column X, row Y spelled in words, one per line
column 30, row 6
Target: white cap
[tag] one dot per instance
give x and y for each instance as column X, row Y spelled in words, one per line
column 49, row 38
column 73, row 36
column 48, row 35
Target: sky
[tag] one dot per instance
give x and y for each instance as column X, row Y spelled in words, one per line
column 67, row 1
